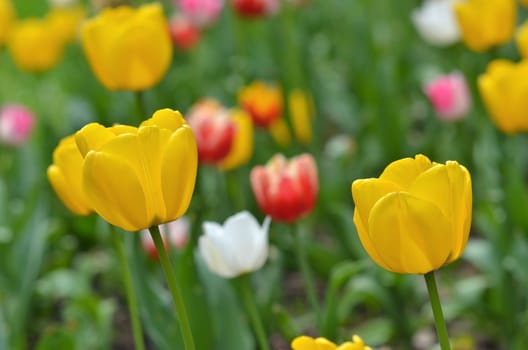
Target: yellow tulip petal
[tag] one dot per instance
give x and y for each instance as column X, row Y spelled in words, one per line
column 113, row 189
column 92, row 137
column 97, row 38
column 364, row 237
column 138, row 60
column 308, row 343
column 404, row 171
column 366, row 192
column 165, row 118
column 120, row 129
column 143, row 154
column 449, row 188
column 412, row 235
column 242, row 148
column 68, row 194
column 178, row 171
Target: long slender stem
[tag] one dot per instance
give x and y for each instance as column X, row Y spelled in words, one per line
column 306, row 272
column 142, row 112
column 441, row 328
column 185, row 326
column 252, row 311
column 129, row 289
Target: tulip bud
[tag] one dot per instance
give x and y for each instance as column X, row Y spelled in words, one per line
column 449, row 95
column 286, row 190
column 16, row 124
column 414, row 218
column 436, row 23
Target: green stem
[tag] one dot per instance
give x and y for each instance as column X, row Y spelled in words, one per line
column 129, row 289
column 252, row 311
column 185, row 326
column 306, row 272
column 140, row 105
column 441, row 328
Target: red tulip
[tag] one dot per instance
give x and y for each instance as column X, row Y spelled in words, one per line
column 286, row 190
column 255, row 8
column 214, row 130
column 184, row 33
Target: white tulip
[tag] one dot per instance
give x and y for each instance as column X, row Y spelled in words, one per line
column 237, row 247
column 435, row 21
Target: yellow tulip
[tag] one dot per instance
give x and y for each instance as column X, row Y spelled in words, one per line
column 242, row 147
column 66, row 21
column 416, row 216
column 301, row 111
column 504, row 90
column 7, row 17
column 280, row 132
column 486, row 23
column 34, row 45
column 128, row 49
column 521, row 38
column 308, row 343
column 139, row 177
column 65, row 176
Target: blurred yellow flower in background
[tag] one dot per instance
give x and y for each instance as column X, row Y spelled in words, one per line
column 504, row 90
column 139, row 177
column 35, row 45
column 127, row 48
column 280, row 132
column 308, row 343
column 521, row 39
column 414, row 218
column 300, row 105
column 66, row 21
column 262, row 101
column 7, row 17
column 65, row 176
column 486, row 23
column 242, row 147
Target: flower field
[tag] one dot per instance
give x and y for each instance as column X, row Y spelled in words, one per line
column 263, row 174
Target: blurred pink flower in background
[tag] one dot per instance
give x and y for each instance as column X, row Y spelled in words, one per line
column 184, row 33
column 449, row 95
column 175, row 232
column 16, row 123
column 200, row 12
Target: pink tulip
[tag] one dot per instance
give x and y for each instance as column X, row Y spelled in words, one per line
column 16, row 123
column 201, row 12
column 449, row 95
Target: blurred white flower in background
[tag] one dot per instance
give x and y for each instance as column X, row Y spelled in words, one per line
column 436, row 23
column 237, row 247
